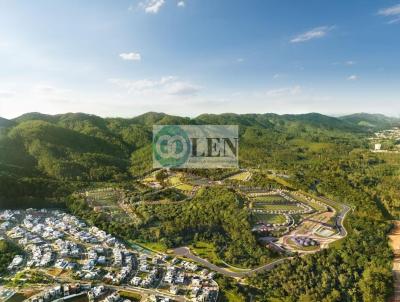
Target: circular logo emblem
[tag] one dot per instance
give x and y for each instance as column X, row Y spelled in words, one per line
column 171, row 146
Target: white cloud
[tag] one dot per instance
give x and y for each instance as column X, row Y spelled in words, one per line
column 152, row 6
column 392, row 12
column 353, row 77
column 182, row 88
column 315, row 33
column 131, row 56
column 350, row 63
column 284, row 92
column 168, row 85
column 181, row 3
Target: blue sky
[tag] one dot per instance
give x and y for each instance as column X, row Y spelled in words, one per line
column 186, row 57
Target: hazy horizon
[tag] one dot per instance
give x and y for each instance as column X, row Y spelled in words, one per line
column 194, row 116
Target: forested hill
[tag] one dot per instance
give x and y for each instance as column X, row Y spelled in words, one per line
column 77, row 146
column 5, row 123
column 371, row 121
column 42, row 155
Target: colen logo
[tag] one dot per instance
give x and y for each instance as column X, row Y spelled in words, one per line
column 205, row 146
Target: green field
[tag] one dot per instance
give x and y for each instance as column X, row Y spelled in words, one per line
column 241, row 176
column 153, row 246
column 314, row 205
column 277, row 207
column 207, row 251
column 130, row 295
column 269, row 218
column 176, row 181
column 270, row 198
column 184, row 187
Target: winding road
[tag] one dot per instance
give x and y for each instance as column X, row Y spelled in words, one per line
column 186, row 252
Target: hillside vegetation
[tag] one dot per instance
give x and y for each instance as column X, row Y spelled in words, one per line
column 45, row 157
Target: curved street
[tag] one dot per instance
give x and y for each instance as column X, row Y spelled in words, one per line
column 186, row 252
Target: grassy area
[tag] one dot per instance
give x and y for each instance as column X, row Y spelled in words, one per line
column 130, row 295
column 149, row 179
column 241, row 176
column 174, row 180
column 207, row 251
column 269, row 218
column 280, row 181
column 231, row 296
column 153, row 246
column 29, row 277
column 333, row 204
column 229, row 290
column 270, row 198
column 184, row 187
column 273, row 207
column 177, row 182
column 314, row 205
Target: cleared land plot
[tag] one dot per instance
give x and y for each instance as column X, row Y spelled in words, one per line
column 184, row 187
column 243, row 176
column 268, row 218
column 207, row 251
column 103, row 200
column 275, row 207
column 270, row 198
column 177, row 182
column 150, row 178
column 324, row 232
column 314, row 205
column 130, row 295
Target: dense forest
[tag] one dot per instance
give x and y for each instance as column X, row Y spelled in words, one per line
column 360, row 270
column 215, row 215
column 45, row 157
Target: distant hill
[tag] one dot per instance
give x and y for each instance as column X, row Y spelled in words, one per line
column 5, row 122
column 79, row 146
column 371, row 121
column 35, row 116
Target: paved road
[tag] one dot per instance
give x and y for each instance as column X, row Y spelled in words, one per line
column 342, row 215
column 185, row 252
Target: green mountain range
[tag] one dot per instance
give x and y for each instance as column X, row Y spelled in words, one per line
column 45, row 158
column 80, row 147
column 77, row 146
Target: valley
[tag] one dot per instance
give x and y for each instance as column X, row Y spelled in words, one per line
column 309, row 198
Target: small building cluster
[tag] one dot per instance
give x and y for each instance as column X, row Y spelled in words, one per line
column 305, row 241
